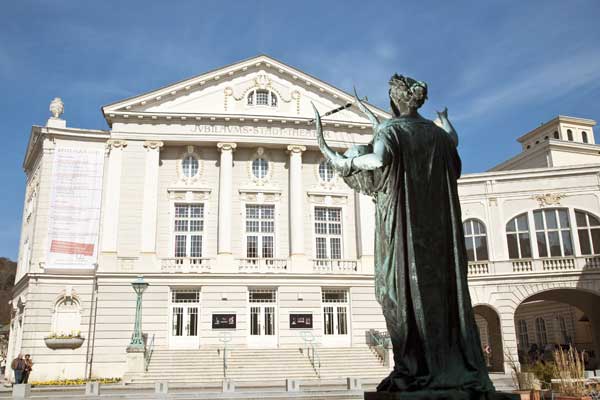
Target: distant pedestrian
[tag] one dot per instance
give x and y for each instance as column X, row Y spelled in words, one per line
column 18, row 365
column 28, row 368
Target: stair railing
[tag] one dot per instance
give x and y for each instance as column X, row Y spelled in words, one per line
column 225, row 338
column 380, row 343
column 311, row 351
column 148, row 353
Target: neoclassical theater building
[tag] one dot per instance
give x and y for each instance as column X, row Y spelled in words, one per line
column 213, row 190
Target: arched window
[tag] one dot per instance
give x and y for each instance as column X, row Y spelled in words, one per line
column 260, row 168
column 326, row 172
column 553, row 232
column 588, row 230
column 517, row 237
column 570, row 135
column 262, row 97
column 584, row 136
column 523, row 334
column 475, row 240
column 540, row 332
column 189, row 165
column 67, row 317
column 555, row 134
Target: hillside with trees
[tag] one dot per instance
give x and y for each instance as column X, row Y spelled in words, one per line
column 8, row 269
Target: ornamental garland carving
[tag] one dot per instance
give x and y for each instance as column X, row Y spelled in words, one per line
column 549, row 199
column 261, row 81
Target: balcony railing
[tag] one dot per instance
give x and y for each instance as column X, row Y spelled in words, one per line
column 263, row 264
column 186, row 264
column 532, row 266
column 335, row 266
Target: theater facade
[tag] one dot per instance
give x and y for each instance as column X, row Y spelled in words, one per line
column 213, row 190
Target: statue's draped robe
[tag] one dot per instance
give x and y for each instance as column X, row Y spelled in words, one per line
column 421, row 262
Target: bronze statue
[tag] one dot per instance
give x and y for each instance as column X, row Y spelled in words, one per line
column 410, row 168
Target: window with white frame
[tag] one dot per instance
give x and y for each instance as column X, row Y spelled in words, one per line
column 553, row 232
column 588, row 230
column 523, row 334
column 326, row 172
column 475, row 240
column 540, row 332
column 260, row 230
column 260, row 168
column 188, row 226
column 328, row 232
column 189, row 166
column 262, row 97
column 517, row 237
column 262, row 311
column 335, row 311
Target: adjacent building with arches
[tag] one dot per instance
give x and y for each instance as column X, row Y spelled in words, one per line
column 214, row 190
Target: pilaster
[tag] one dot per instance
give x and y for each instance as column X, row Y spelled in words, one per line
column 224, row 254
column 110, row 212
column 365, row 231
column 150, row 199
column 296, row 195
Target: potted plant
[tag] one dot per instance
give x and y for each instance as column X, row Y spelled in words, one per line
column 61, row 340
column 527, row 384
column 570, row 375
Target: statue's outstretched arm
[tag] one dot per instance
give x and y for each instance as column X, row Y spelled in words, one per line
column 376, row 159
column 446, row 125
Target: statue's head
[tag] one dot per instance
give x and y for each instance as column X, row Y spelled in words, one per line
column 406, row 94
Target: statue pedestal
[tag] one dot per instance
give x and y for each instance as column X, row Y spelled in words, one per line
column 438, row 395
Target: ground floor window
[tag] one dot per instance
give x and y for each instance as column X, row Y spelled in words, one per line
column 335, row 311
column 185, row 310
column 262, row 311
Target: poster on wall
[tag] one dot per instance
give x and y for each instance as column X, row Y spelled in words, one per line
column 301, row 321
column 223, row 321
column 74, row 213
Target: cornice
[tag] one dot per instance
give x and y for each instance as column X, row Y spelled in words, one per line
column 481, row 177
column 195, row 118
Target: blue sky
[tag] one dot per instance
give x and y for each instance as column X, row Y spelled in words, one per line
column 501, row 67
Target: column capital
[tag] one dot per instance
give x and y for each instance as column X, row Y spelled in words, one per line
column 153, row 144
column 115, row 144
column 226, row 146
column 295, row 148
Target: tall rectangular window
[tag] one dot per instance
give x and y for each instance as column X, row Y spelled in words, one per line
column 188, row 226
column 260, row 231
column 553, row 232
column 328, row 233
column 335, row 311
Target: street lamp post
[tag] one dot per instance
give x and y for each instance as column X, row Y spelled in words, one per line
column 137, row 340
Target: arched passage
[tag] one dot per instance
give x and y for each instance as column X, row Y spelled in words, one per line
column 563, row 316
column 488, row 323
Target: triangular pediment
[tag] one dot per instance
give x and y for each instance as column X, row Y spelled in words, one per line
column 260, row 86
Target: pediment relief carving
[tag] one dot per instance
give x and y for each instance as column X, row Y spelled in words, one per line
column 225, row 90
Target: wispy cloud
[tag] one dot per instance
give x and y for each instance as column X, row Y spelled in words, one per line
column 539, row 83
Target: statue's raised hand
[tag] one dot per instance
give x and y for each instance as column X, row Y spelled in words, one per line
column 446, row 125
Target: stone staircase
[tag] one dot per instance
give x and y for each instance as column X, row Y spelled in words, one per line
column 266, row 366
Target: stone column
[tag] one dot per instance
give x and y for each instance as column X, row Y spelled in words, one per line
column 365, row 231
column 150, row 199
column 110, row 208
column 296, row 204
column 224, row 255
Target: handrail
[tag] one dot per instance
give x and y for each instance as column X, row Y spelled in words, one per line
column 313, row 356
column 225, row 338
column 148, row 353
column 380, row 343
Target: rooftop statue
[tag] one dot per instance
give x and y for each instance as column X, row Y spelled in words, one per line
column 411, row 168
